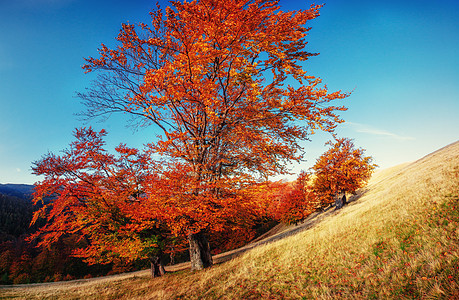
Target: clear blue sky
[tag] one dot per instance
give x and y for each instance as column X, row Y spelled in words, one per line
column 400, row 58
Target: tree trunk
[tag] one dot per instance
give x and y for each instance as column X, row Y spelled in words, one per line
column 340, row 201
column 157, row 268
column 200, row 255
column 172, row 258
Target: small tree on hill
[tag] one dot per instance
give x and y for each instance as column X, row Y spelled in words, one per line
column 340, row 170
column 211, row 76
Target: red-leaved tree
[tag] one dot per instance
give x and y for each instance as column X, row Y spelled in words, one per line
column 290, row 202
column 91, row 193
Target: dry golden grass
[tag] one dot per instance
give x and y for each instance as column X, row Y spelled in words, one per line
column 398, row 240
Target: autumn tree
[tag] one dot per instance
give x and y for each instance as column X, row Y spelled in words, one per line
column 341, row 169
column 289, row 202
column 223, row 83
column 95, row 195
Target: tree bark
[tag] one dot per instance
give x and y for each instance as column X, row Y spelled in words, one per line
column 200, row 255
column 340, row 201
column 157, row 268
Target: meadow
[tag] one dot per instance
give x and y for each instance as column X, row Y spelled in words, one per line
column 398, row 238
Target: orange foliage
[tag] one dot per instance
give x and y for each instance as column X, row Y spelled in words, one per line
column 210, row 74
column 89, row 192
column 341, row 169
column 289, row 202
column 188, row 205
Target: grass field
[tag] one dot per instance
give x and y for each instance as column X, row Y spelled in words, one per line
column 398, row 239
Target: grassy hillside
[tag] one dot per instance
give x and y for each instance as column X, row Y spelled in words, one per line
column 398, row 239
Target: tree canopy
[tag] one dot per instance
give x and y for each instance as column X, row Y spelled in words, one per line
column 216, row 78
column 343, row 168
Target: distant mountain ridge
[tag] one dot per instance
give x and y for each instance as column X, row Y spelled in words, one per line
column 22, row 191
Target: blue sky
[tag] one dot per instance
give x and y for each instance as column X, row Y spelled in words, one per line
column 400, row 59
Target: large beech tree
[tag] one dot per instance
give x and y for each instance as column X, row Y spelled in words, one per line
column 212, row 77
column 341, row 169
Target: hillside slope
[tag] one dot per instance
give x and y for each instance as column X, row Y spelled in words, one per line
column 398, row 239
